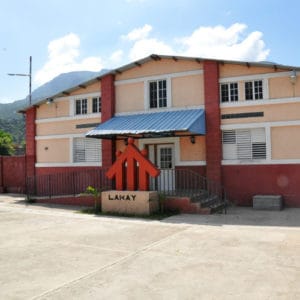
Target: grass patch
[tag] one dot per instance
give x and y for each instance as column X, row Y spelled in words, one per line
column 154, row 216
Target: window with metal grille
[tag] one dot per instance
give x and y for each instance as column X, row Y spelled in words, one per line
column 96, row 104
column 166, row 158
column 229, row 92
column 86, row 150
column 244, row 144
column 158, row 93
column 254, row 90
column 81, row 106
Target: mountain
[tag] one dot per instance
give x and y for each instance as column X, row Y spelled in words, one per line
column 63, row 82
column 13, row 122
column 8, row 110
column 59, row 83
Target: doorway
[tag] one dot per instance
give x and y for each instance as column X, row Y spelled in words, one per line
column 163, row 156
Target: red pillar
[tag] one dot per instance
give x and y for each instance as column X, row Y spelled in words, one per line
column 107, row 112
column 1, row 175
column 213, row 121
column 131, row 173
column 30, row 141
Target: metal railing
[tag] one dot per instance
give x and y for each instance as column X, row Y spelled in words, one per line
column 170, row 182
column 69, row 183
column 188, row 183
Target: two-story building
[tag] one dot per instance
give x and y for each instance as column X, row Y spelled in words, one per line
column 235, row 123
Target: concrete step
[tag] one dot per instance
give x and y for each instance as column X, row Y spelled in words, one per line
column 199, row 197
column 210, row 201
column 185, row 205
column 218, row 207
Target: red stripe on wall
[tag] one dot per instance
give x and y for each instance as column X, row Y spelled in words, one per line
column 59, row 170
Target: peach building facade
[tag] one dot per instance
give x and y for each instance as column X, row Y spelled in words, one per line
column 252, row 115
column 61, row 123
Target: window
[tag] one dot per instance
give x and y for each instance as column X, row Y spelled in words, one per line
column 244, row 144
column 229, row 92
column 254, row 90
column 86, row 150
column 96, row 104
column 158, row 93
column 166, row 158
column 81, row 107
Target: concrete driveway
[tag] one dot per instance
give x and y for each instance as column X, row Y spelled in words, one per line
column 56, row 253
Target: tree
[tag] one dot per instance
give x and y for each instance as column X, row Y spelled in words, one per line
column 6, row 143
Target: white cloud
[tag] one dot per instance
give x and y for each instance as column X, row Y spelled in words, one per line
column 225, row 43
column 117, row 56
column 212, row 42
column 143, row 45
column 233, row 42
column 149, row 46
column 63, row 54
column 138, row 33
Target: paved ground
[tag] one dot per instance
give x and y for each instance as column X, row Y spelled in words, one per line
column 56, row 253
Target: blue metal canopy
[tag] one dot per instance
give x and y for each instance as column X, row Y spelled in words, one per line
column 154, row 124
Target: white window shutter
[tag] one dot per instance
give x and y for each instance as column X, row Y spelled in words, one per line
column 244, row 144
column 87, row 150
column 78, row 150
column 244, row 148
column 258, row 137
column 229, row 151
column 93, row 150
column 229, row 145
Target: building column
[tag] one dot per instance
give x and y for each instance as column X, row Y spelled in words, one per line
column 213, row 121
column 30, row 141
column 107, row 112
column 1, row 175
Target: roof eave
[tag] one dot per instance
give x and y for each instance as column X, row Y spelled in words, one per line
column 157, row 57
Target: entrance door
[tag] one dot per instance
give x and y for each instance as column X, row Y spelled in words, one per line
column 162, row 155
column 165, row 160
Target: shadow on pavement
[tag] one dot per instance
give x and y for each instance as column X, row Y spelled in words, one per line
column 288, row 217
column 247, row 216
column 21, row 200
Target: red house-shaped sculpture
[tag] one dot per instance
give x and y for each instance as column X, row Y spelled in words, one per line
column 138, row 169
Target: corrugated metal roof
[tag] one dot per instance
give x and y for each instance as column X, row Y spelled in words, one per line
column 156, row 123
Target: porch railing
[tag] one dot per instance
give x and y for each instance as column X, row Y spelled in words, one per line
column 188, row 183
column 170, row 182
column 69, row 183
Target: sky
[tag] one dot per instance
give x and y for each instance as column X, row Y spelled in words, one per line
column 72, row 35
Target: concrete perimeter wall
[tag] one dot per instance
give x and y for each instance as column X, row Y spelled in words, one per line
column 243, row 182
column 12, row 174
